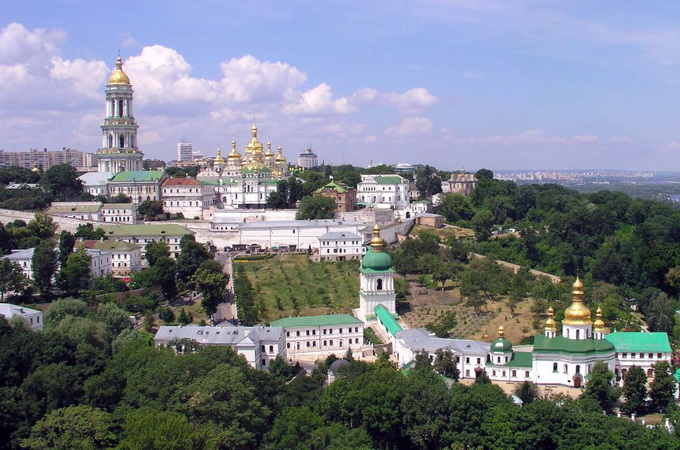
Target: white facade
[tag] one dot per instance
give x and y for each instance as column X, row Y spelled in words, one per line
column 126, row 258
column 340, row 246
column 32, row 317
column 471, row 354
column 384, row 191
column 23, row 258
column 141, row 235
column 335, row 333
column 100, row 264
column 301, row 234
column 118, row 213
column 187, row 196
column 96, row 183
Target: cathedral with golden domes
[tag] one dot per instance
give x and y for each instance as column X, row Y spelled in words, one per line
column 245, row 181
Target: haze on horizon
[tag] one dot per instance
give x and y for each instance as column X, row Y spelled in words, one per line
column 504, row 85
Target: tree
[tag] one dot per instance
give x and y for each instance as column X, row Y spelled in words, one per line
column 120, row 198
column 62, row 182
column 150, row 209
column 428, row 182
column 66, row 243
column 527, row 392
column 75, row 275
column 62, row 308
column 44, row 264
column 662, row 387
column 316, row 207
column 74, row 427
column 42, row 226
column 12, row 278
column 660, row 314
column 148, row 428
column 114, row 319
column 482, row 222
column 422, row 361
column 446, row 364
column 192, row 255
column 635, row 390
column 457, row 207
column 156, row 250
column 484, row 174
column 213, row 285
column 87, row 231
column 599, row 387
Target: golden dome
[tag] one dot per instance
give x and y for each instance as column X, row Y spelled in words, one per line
column 577, row 313
column 280, row 159
column 35, row 169
column 254, row 146
column 501, row 331
column 269, row 154
column 377, row 243
column 599, row 323
column 233, row 154
column 219, row 161
column 550, row 324
column 118, row 76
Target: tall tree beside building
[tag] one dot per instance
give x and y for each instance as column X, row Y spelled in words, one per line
column 599, row 387
column 66, row 243
column 12, row 278
column 662, row 387
column 316, row 207
column 75, row 275
column 44, row 265
column 62, row 182
column 428, row 182
column 635, row 390
column 211, row 281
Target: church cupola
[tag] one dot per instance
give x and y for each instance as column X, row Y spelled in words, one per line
column 598, row 326
column 550, row 325
column 577, row 323
column 500, row 351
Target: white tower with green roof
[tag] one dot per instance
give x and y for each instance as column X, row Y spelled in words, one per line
column 377, row 279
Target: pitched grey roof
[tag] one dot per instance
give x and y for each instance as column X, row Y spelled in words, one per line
column 421, row 339
column 21, row 254
column 295, row 223
column 9, row 310
column 232, row 336
column 340, row 236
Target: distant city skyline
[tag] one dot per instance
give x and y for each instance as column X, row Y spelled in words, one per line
column 505, row 85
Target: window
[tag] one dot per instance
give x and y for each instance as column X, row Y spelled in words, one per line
column 307, row 343
column 554, row 367
column 624, row 355
column 263, row 348
column 493, row 373
column 514, row 374
column 578, row 368
column 479, row 360
column 331, row 342
column 504, row 374
column 307, row 332
column 526, row 374
column 566, row 368
column 642, row 355
column 578, row 332
column 298, row 333
column 264, row 362
column 650, row 356
column 325, row 343
column 658, row 355
column 287, row 333
column 650, row 373
column 287, row 344
column 271, row 349
column 313, row 332
column 467, row 360
column 324, row 331
column 379, row 284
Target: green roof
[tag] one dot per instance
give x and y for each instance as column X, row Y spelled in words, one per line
column 639, row 342
column 315, row 321
column 337, row 187
column 388, row 179
column 387, row 319
column 376, row 262
column 145, row 230
column 560, row 344
column 144, row 175
column 519, row 359
column 216, row 181
column 61, row 209
column 117, row 206
column 501, row 345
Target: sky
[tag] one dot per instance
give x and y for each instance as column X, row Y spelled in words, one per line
column 497, row 84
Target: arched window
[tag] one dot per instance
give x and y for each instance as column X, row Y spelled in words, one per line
column 554, row 367
column 514, row 374
column 566, row 368
column 379, row 284
column 120, row 109
column 110, row 140
column 578, row 369
column 578, row 332
column 121, row 141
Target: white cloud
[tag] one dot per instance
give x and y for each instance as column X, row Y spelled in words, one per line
column 247, row 79
column 410, row 102
column 319, row 100
column 412, row 126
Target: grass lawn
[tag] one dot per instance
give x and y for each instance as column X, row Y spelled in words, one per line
column 290, row 281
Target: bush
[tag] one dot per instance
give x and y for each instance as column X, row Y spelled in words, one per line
column 141, row 303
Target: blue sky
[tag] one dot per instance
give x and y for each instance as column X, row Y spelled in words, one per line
column 507, row 84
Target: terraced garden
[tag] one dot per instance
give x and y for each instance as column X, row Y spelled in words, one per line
column 292, row 285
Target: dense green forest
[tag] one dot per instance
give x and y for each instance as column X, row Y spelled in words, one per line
column 89, row 381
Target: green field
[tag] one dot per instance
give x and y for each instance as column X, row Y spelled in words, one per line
column 292, row 285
